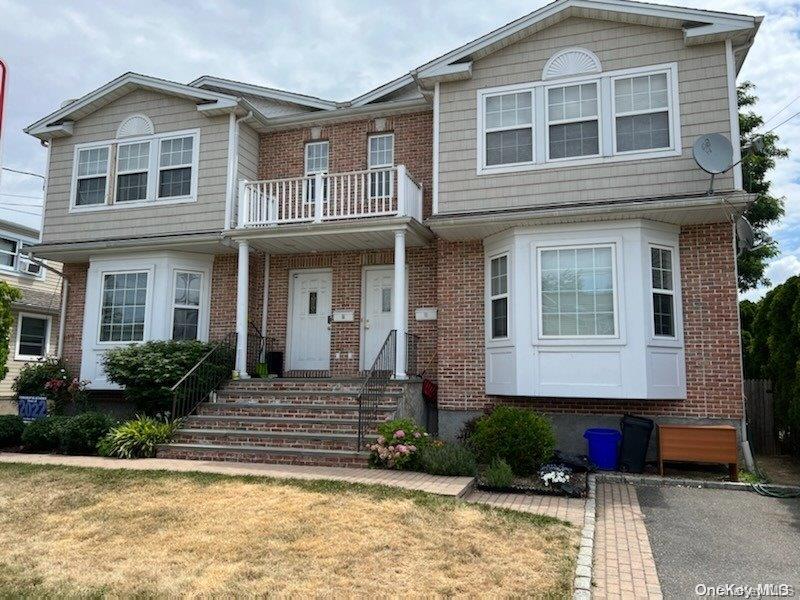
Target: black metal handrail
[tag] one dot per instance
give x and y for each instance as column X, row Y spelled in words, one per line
column 374, row 386
column 205, row 377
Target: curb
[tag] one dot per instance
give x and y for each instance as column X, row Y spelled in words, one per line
column 656, row 480
column 583, row 570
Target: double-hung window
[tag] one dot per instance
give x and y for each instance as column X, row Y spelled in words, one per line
column 14, row 257
column 508, row 128
column 175, row 167
column 92, row 176
column 316, row 161
column 8, row 253
column 498, row 281
column 577, row 292
column 380, row 160
column 641, row 112
column 663, row 292
column 32, row 337
column 186, row 305
column 133, row 163
column 122, row 311
column 572, row 121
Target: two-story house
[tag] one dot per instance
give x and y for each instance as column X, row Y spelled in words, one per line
column 36, row 315
column 521, row 216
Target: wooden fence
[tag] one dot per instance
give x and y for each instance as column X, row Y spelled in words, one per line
column 760, row 416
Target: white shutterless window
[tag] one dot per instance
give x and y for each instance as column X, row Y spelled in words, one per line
column 498, row 297
column 122, row 307
column 8, row 253
column 381, row 158
column 508, row 128
column 642, row 113
column 92, row 176
column 573, row 124
column 133, row 164
column 663, row 291
column 576, row 292
column 186, row 305
column 316, row 161
column 175, row 166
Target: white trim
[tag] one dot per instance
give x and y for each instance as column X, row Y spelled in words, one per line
column 230, row 182
column 306, row 170
column 509, row 337
column 606, row 121
column 733, row 105
column 383, row 90
column 262, row 92
column 48, row 332
column 148, row 307
column 153, row 172
column 671, row 292
column 436, row 100
column 598, row 118
column 374, row 136
column 614, row 290
column 127, row 121
column 287, row 365
column 596, row 66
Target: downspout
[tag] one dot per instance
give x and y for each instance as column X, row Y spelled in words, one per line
column 62, row 323
column 233, row 164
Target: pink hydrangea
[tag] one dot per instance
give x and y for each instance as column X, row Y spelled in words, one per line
column 399, row 434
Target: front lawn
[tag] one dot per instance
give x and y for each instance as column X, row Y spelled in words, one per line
column 69, row 532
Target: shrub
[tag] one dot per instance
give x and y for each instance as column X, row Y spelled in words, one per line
column 499, row 474
column 523, row 438
column 137, row 438
column 11, row 428
column 149, row 370
column 398, row 444
column 81, row 433
column 50, row 378
column 43, row 435
column 440, row 458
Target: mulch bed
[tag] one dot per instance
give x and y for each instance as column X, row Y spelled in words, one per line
column 578, row 486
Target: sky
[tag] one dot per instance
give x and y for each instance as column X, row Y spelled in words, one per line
column 335, row 49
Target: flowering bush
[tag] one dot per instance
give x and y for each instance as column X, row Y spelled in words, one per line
column 52, row 379
column 398, row 445
column 555, row 474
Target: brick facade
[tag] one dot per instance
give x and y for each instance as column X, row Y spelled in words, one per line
column 711, row 333
column 75, row 274
column 282, row 154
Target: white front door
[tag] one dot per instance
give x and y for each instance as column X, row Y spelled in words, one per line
column 378, row 312
column 309, row 329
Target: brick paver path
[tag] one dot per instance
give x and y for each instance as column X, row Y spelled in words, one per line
column 445, row 486
column 566, row 509
column 623, row 561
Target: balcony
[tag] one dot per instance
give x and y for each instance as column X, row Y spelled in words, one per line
column 330, row 197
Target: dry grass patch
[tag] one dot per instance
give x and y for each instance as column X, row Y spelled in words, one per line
column 67, row 532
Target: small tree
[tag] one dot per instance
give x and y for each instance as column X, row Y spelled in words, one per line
column 8, row 295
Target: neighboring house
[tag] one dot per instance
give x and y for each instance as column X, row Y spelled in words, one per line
column 525, row 207
column 34, row 332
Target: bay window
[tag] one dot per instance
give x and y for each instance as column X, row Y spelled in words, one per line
column 499, row 297
column 123, row 304
column 186, row 305
column 149, row 168
column 663, row 292
column 577, row 292
column 592, row 118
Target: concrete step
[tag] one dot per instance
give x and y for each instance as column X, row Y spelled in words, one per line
column 283, row 439
column 264, row 454
column 295, row 397
column 272, row 423
column 289, row 410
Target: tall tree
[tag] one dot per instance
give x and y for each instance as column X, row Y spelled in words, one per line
column 766, row 208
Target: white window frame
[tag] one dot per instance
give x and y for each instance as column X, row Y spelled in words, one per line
column 549, row 122
column 606, row 118
column 134, row 171
column 307, row 172
column 672, row 293
column 483, row 131
column 375, row 136
column 492, row 297
column 671, row 87
column 147, row 307
column 614, row 291
column 153, row 172
column 48, row 332
column 386, row 176
column 17, row 269
column 199, row 308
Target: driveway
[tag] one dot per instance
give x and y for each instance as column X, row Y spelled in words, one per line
column 720, row 537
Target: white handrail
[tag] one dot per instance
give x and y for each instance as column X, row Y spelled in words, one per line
column 322, row 197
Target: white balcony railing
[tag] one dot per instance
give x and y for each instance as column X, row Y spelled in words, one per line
column 329, row 197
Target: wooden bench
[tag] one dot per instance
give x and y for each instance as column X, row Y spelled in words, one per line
column 699, row 443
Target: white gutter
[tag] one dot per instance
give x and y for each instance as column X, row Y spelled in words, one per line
column 230, row 176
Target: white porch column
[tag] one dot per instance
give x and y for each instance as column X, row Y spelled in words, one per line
column 242, row 292
column 400, row 303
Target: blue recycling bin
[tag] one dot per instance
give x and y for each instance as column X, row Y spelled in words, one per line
column 603, row 447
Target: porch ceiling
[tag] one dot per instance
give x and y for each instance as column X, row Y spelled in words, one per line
column 362, row 234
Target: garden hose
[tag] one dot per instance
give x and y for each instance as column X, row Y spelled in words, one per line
column 782, row 492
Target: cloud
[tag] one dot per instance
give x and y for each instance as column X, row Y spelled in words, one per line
column 336, row 49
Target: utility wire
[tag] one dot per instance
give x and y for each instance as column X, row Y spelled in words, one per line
column 10, row 203
column 795, row 99
column 31, row 173
column 20, row 196
column 782, row 123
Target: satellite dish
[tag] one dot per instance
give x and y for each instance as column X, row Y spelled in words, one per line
column 713, row 153
column 745, row 239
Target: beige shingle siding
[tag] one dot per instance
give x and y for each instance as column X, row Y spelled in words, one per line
column 15, row 366
column 248, row 153
column 702, row 85
column 168, row 114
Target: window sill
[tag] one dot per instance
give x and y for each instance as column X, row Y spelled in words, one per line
column 579, row 341
column 579, row 162
column 132, row 205
column 28, row 358
column 20, row 274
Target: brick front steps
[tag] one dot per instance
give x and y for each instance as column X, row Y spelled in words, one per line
column 284, row 421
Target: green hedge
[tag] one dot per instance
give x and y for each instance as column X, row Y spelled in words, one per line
column 77, row 435
column 11, row 428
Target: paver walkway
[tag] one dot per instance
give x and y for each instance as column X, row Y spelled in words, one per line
column 444, row 486
column 623, row 559
column 566, row 509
